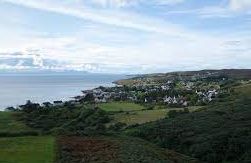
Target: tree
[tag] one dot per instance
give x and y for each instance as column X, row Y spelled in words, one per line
column 29, row 107
column 88, row 98
column 172, row 113
column 11, row 109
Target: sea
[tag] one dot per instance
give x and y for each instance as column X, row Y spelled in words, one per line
column 16, row 89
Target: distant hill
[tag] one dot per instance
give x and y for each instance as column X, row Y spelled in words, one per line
column 41, row 72
column 187, row 75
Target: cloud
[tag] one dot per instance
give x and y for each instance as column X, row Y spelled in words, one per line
column 148, row 56
column 240, row 5
column 115, row 3
column 22, row 61
column 120, row 19
column 228, row 9
column 169, row 2
column 127, row 3
column 205, row 12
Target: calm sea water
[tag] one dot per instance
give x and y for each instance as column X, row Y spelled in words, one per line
column 16, row 89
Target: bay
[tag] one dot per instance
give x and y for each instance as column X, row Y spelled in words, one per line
column 18, row 88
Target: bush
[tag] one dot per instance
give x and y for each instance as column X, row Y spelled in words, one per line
column 117, row 126
column 81, row 121
column 150, row 107
column 175, row 113
column 17, row 134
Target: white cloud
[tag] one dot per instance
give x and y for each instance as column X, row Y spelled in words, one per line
column 206, row 12
column 126, row 3
column 239, row 5
column 148, row 56
column 228, row 9
column 169, row 2
column 115, row 3
column 114, row 18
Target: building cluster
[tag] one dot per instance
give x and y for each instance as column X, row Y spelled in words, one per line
column 175, row 100
column 166, row 93
column 207, row 96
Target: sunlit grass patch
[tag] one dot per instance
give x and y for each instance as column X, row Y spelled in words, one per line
column 120, row 106
column 27, row 150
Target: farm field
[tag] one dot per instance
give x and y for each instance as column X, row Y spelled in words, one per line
column 143, row 116
column 37, row 149
column 120, row 106
column 244, row 89
column 139, row 117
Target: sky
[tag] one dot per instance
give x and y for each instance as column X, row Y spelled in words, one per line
column 125, row 36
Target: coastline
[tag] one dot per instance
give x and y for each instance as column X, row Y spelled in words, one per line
column 18, row 89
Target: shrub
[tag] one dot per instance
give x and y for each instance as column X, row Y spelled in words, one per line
column 21, row 133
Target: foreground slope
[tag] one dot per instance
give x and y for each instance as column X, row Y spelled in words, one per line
column 88, row 145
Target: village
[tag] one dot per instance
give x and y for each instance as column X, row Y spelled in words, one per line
column 171, row 93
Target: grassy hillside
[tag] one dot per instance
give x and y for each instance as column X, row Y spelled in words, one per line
column 27, row 150
column 219, row 133
column 80, row 148
column 76, row 149
column 114, row 149
column 10, row 126
column 244, row 90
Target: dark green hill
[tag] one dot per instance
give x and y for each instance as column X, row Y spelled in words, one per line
column 218, row 133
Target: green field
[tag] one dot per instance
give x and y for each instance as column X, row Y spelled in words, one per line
column 244, row 89
column 143, row 116
column 132, row 113
column 140, row 116
column 120, row 106
column 22, row 149
column 27, row 150
column 9, row 124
